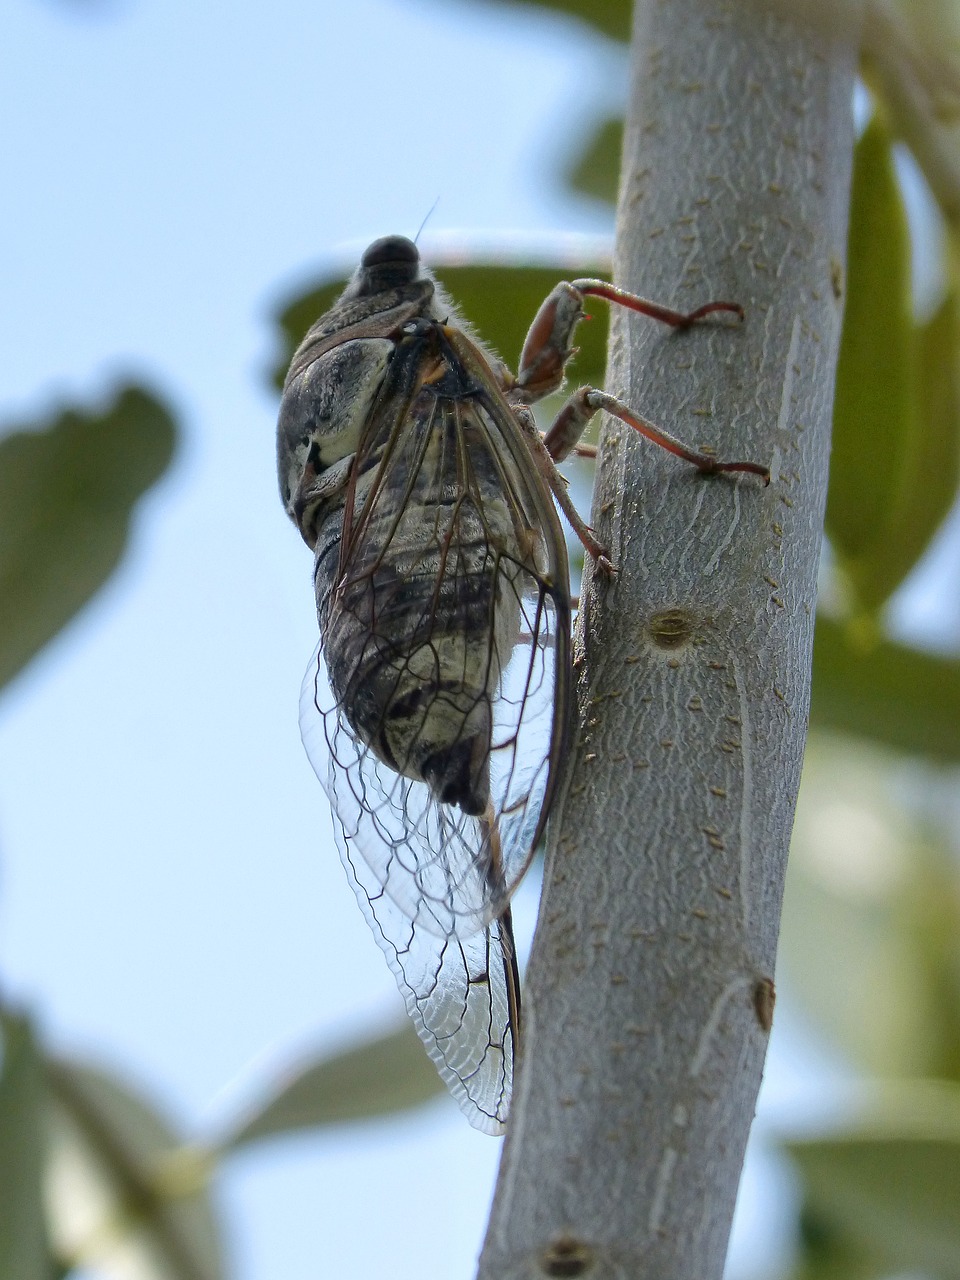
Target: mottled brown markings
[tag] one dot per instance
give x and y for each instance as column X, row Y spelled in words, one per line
column 566, row 1256
column 764, row 999
column 836, row 277
column 670, row 628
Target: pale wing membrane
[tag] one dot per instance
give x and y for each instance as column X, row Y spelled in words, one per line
column 448, row 869
column 461, row 992
column 449, row 611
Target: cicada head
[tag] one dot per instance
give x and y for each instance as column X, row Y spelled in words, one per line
column 389, row 263
column 336, row 375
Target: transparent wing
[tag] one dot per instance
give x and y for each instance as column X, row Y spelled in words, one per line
column 436, row 715
column 460, row 987
column 471, row 516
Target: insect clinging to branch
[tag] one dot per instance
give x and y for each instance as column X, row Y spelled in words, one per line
column 437, row 705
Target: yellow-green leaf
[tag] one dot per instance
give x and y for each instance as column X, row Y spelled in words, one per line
column 890, row 1184
column 67, row 492
column 596, row 170
column 868, row 892
column 388, row 1074
column 114, row 1206
column 888, row 693
column 23, row 1241
column 875, row 414
column 825, row 1253
column 611, row 17
column 936, row 471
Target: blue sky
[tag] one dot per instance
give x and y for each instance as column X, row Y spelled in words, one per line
column 171, row 902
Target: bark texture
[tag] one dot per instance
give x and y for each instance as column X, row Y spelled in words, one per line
column 649, row 993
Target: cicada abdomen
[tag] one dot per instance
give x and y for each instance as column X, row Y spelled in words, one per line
column 424, row 616
column 442, row 607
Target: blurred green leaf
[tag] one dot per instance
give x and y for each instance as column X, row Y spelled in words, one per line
column 935, row 475
column 611, row 17
column 24, row 1253
column 114, row 1205
column 890, row 1186
column 887, row 693
column 930, row 474
column 499, row 300
column 388, row 1074
column 596, row 171
column 875, row 415
column 826, row 1253
column 67, row 493
column 868, row 892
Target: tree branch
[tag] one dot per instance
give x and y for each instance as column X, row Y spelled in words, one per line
column 649, row 992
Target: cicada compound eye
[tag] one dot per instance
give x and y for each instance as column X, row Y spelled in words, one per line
column 396, row 252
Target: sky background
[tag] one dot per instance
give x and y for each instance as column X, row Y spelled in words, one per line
column 171, row 902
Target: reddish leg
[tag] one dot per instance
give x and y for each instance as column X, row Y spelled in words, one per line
column 571, row 421
column 679, row 319
column 548, row 348
column 549, row 343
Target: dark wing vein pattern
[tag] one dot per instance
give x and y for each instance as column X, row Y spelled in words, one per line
column 433, row 721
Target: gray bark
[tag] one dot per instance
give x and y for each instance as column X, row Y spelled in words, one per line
column 649, row 992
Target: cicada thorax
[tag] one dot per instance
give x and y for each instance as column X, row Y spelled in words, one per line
column 334, row 380
column 420, row 612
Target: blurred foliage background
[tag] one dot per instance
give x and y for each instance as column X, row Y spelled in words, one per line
column 92, row 1175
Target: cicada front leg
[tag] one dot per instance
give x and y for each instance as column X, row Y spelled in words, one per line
column 546, row 352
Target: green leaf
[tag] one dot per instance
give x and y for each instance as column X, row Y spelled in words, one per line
column 936, row 472
column 827, row 1254
column 24, row 1252
column 611, row 17
column 499, row 300
column 931, row 468
column 116, row 1205
column 887, row 693
column 875, row 414
column 67, row 493
column 889, row 1186
column 596, row 171
column 391, row 1073
column 867, row 892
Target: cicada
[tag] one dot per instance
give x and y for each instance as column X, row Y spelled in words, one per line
column 436, row 709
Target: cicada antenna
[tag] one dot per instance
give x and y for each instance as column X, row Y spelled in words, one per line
column 429, row 215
